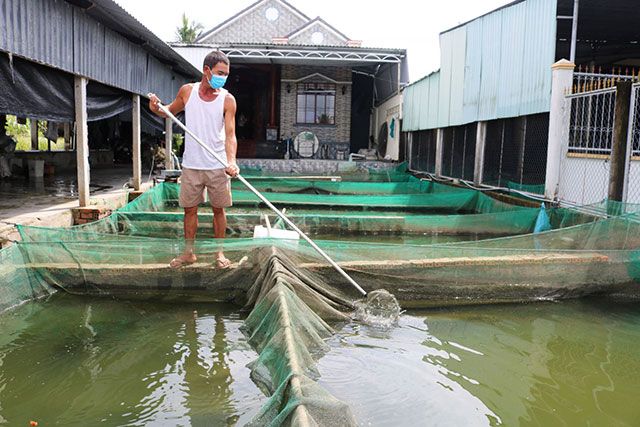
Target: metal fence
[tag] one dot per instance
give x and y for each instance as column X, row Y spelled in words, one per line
column 589, row 117
column 591, row 121
column 587, row 138
column 459, row 151
column 632, row 175
column 516, row 152
column 422, row 151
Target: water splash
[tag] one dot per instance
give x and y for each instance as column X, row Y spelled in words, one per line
column 380, row 309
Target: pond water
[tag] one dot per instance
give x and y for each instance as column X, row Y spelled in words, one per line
column 78, row 361
column 85, row 361
column 546, row 364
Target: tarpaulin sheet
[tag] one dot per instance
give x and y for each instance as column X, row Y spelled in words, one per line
column 45, row 93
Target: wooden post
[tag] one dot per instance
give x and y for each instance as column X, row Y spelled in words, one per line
column 34, row 134
column 272, row 96
column 439, row 148
column 67, row 136
column 619, row 142
column 481, row 140
column 561, row 81
column 168, row 144
column 137, row 162
column 82, row 139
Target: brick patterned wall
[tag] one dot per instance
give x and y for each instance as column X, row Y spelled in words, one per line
column 338, row 133
column 256, row 28
column 329, row 37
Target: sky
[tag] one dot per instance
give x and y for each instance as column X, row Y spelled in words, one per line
column 407, row 24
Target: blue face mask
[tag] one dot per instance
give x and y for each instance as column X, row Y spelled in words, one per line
column 217, row 82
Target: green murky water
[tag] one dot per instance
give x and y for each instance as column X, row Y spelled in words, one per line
column 82, row 362
column 77, row 361
column 573, row 363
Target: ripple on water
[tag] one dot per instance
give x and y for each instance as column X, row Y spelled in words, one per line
column 385, row 378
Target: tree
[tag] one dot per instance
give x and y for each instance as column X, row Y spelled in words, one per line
column 188, row 31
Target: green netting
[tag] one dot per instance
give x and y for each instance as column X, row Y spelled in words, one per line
column 17, row 283
column 148, row 216
column 339, row 187
column 440, row 197
column 599, row 256
column 287, row 327
column 297, row 299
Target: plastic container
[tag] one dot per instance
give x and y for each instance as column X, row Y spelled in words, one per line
column 262, row 232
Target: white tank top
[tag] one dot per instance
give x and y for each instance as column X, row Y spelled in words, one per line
column 206, row 120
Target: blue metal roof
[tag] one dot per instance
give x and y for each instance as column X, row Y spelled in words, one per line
column 495, row 66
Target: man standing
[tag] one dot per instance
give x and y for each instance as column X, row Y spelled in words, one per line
column 210, row 114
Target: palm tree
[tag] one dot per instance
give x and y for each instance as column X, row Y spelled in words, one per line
column 188, row 31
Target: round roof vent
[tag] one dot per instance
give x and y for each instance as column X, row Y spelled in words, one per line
column 317, row 37
column 272, row 14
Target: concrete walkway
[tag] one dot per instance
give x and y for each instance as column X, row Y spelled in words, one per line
column 48, row 202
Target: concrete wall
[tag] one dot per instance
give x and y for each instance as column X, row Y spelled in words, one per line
column 313, row 167
column 340, row 132
column 254, row 27
column 329, row 37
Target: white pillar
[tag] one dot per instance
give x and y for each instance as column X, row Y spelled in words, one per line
column 137, row 163
column 168, row 144
column 439, row 148
column 481, row 140
column 82, row 140
column 33, row 130
column 562, row 79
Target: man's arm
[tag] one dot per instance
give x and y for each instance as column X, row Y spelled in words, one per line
column 230, row 142
column 176, row 106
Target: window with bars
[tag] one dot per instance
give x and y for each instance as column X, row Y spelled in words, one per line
column 591, row 122
column 316, row 103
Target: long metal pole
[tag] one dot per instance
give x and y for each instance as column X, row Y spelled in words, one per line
column 265, row 201
column 574, row 31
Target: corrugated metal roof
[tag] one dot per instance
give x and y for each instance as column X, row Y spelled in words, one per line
column 103, row 43
column 365, row 49
column 495, row 66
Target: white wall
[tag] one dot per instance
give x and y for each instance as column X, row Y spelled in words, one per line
column 586, row 181
column 633, row 183
column 583, row 181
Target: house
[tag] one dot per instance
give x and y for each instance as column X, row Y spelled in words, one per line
column 293, row 75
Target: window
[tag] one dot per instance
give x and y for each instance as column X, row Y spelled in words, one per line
column 316, row 103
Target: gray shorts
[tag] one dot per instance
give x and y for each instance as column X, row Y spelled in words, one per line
column 193, row 182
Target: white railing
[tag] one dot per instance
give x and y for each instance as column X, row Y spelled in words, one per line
column 591, row 121
column 632, row 170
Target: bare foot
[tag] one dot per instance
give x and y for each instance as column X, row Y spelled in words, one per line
column 222, row 262
column 182, row 260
